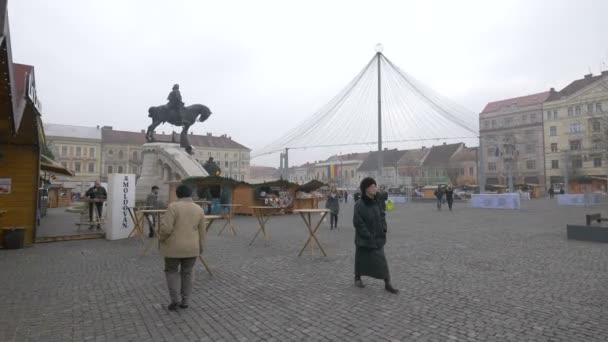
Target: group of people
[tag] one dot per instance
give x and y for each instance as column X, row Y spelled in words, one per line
column 444, row 194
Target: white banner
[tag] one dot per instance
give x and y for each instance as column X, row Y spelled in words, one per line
column 496, row 201
column 121, row 196
column 579, row 199
column 399, row 199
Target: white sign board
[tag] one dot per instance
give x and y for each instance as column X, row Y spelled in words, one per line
column 496, row 201
column 399, row 199
column 121, row 196
column 579, row 199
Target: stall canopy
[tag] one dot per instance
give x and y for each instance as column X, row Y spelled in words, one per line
column 50, row 166
column 311, row 186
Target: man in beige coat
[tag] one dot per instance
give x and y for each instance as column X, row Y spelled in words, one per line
column 182, row 236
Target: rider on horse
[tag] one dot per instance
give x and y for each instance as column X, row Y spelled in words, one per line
column 175, row 102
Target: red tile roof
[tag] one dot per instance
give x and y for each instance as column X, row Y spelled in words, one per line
column 521, row 101
column 111, row 136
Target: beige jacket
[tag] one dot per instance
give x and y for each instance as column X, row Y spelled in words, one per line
column 182, row 232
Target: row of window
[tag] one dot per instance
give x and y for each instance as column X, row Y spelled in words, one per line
column 530, row 165
column 509, row 121
column 577, row 127
column 78, row 167
column 77, row 151
column 577, row 110
column 577, row 163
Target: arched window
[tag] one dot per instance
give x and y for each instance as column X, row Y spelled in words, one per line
column 120, row 169
column 134, row 155
column 120, row 154
column 110, row 169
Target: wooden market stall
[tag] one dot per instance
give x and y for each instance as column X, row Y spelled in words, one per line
column 308, row 196
column 21, row 137
column 278, row 194
column 221, row 190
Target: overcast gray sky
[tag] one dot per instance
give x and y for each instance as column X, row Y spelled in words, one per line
column 263, row 66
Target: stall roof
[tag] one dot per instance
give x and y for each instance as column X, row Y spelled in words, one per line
column 48, row 165
column 311, row 186
column 212, row 180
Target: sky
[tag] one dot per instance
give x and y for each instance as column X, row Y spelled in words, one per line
column 265, row 66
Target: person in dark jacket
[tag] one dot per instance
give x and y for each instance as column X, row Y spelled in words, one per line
column 97, row 195
column 449, row 196
column 369, row 220
column 439, row 193
column 152, row 203
column 551, row 192
column 333, row 205
column 382, row 197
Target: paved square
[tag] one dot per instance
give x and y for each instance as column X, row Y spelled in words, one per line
column 467, row 275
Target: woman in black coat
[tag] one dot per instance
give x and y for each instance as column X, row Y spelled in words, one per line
column 370, row 237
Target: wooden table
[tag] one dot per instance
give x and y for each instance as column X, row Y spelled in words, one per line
column 156, row 213
column 210, row 219
column 97, row 219
column 228, row 216
column 306, row 216
column 138, row 225
column 263, row 215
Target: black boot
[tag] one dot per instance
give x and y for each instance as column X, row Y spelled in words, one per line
column 389, row 287
column 359, row 283
column 172, row 307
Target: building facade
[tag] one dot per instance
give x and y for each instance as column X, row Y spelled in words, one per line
column 93, row 153
column 77, row 148
column 575, row 134
column 512, row 143
column 436, row 165
column 463, row 167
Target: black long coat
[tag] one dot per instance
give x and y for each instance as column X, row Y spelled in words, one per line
column 370, row 223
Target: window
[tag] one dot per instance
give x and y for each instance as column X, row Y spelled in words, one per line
column 554, row 147
column 548, row 115
column 486, row 124
column 597, row 162
column 589, row 107
column 552, row 131
column 533, row 117
column 209, row 154
column 71, row 151
column 77, row 166
column 493, row 123
column 134, row 155
column 598, row 107
column 491, row 166
column 91, row 152
column 120, row 156
column 529, row 149
column 471, row 171
column 576, row 127
column 491, row 151
column 78, row 151
column 110, row 152
column 555, row 164
column 110, row 169
column 226, row 163
column 462, row 171
column 577, row 110
column 570, row 111
column 554, row 114
column 596, row 126
column 64, row 151
column 91, row 167
column 120, row 169
column 226, row 155
column 508, row 121
column 236, row 155
column 352, row 173
column 575, row 145
column 577, row 163
column 597, row 143
column 530, row 164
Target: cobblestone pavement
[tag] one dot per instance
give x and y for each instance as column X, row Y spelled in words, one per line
column 467, row 275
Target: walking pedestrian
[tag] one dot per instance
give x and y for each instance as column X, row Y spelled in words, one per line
column 551, row 192
column 333, row 205
column 345, row 196
column 370, row 237
column 449, row 196
column 152, row 203
column 181, row 236
column 439, row 193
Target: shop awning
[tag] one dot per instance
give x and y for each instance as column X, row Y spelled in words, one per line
column 48, row 165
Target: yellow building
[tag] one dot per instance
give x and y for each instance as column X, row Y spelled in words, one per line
column 78, row 149
column 574, row 131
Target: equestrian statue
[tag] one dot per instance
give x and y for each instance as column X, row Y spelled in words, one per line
column 175, row 113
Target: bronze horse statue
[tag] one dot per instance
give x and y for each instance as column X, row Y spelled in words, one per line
column 162, row 114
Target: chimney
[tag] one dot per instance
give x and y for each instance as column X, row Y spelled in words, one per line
column 209, row 134
column 97, row 126
column 588, row 76
column 552, row 91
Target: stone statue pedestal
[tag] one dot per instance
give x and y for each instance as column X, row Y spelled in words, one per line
column 163, row 163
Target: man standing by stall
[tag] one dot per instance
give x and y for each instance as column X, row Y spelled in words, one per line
column 97, row 195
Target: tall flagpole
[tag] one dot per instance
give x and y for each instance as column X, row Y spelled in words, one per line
column 379, row 49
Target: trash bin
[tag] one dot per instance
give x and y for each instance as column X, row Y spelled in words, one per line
column 14, row 237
